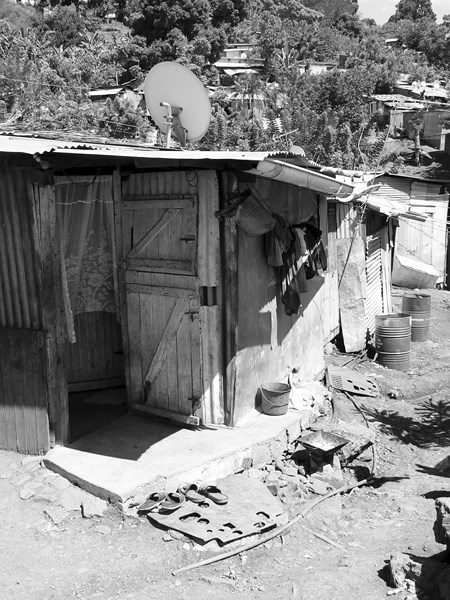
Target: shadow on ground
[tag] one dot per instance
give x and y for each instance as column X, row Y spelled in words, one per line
column 430, row 426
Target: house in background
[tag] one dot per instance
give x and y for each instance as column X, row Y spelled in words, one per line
column 421, row 238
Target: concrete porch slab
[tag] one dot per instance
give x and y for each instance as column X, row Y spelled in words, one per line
column 135, row 454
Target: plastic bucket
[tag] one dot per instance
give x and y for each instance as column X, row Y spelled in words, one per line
column 393, row 340
column 419, row 307
column 275, row 398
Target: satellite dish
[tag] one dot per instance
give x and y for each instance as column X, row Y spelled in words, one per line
column 177, row 102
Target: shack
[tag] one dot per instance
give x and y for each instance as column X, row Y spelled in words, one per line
column 158, row 270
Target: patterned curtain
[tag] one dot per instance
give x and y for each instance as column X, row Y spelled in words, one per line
column 85, row 214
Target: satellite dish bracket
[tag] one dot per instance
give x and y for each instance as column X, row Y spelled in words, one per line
column 173, row 122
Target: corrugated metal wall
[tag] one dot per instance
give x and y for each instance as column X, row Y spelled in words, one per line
column 23, row 346
column 19, row 265
column 374, row 299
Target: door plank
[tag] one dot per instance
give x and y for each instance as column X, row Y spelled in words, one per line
column 174, row 322
column 154, row 232
column 182, row 267
column 160, row 291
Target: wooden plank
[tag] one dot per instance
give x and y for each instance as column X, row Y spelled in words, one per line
column 155, row 203
column 134, row 348
column 153, row 233
column 119, row 238
column 95, row 384
column 176, row 317
column 9, row 441
column 208, row 228
column 161, row 291
column 158, row 280
column 166, row 414
column 183, row 358
column 53, row 315
column 180, row 267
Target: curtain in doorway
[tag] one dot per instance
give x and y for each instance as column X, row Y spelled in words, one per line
column 85, row 214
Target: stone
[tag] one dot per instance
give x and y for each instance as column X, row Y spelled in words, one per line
column 58, row 482
column 442, row 524
column 46, row 494
column 279, row 464
column 91, row 506
column 290, row 470
column 270, row 468
column 176, row 535
column 303, row 479
column 167, row 538
column 255, row 474
column 319, row 487
column 72, row 498
column 301, row 471
column 261, row 455
column 247, row 463
column 20, row 479
column 27, row 492
column 103, row 529
column 56, row 514
column 31, row 460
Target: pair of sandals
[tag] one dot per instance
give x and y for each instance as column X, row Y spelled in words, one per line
column 167, row 503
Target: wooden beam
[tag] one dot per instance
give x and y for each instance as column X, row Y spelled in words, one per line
column 172, row 267
column 178, row 313
column 157, row 203
column 154, row 290
column 166, row 414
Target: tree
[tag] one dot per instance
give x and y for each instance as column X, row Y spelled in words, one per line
column 413, row 10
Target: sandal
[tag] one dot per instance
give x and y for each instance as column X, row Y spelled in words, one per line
column 171, row 502
column 191, row 491
column 213, row 493
column 152, row 502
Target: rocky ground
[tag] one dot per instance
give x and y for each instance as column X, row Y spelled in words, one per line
column 57, row 542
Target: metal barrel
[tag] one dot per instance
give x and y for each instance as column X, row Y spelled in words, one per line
column 393, row 340
column 419, row 307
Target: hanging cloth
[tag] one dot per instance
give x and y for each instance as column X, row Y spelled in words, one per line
column 85, row 214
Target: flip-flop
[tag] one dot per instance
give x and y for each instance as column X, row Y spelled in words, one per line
column 213, row 493
column 190, row 490
column 152, row 502
column 171, row 502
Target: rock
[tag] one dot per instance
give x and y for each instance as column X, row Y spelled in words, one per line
column 31, row 460
column 46, row 494
column 72, row 498
column 272, row 482
column 255, row 474
column 91, row 506
column 319, row 487
column 247, row 462
column 167, row 538
column 303, row 479
column 103, row 529
column 58, row 482
column 27, row 492
column 56, row 514
column 270, row 468
column 397, row 569
column 279, row 464
column 20, row 479
column 176, row 535
column 442, row 524
column 290, row 470
column 261, row 455
column 302, row 472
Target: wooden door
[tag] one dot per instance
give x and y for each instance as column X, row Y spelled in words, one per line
column 159, row 260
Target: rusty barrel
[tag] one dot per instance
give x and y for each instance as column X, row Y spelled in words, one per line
column 393, row 340
column 419, row 307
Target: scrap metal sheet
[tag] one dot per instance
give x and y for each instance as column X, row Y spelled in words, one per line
column 250, row 509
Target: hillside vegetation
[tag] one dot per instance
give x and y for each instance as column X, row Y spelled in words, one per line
column 53, row 54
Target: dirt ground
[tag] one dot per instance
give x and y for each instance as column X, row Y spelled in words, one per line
column 126, row 558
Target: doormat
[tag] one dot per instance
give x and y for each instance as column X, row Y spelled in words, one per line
column 251, row 509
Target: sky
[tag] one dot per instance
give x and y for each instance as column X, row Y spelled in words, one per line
column 381, row 10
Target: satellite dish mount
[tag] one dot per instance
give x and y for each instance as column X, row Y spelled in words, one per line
column 173, row 121
column 177, row 102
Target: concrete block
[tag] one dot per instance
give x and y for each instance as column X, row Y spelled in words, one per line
column 93, row 507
